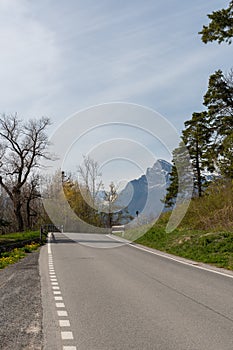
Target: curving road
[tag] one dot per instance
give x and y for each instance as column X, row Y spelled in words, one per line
column 101, row 295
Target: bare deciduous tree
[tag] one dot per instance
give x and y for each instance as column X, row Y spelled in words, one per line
column 111, row 197
column 31, row 194
column 90, row 178
column 22, row 146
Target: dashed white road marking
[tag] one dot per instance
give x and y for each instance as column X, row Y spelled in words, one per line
column 62, row 313
column 60, row 305
column 64, row 323
column 67, row 335
column 49, row 247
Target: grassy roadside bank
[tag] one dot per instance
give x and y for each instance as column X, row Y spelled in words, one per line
column 13, row 255
column 211, row 247
column 205, row 233
column 17, row 237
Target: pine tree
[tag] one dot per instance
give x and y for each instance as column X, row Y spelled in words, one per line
column 172, row 189
column 180, row 177
column 219, row 101
column 196, row 137
column 220, row 27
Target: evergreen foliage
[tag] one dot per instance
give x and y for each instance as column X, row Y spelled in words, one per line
column 220, row 27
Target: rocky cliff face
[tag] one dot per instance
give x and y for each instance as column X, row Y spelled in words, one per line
column 144, row 195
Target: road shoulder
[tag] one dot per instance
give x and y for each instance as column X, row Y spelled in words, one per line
column 20, row 305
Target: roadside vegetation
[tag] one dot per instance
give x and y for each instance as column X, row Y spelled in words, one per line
column 17, row 245
column 10, row 238
column 16, row 254
column 199, row 245
column 205, row 233
column 208, row 247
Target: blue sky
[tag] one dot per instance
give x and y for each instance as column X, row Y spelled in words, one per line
column 58, row 57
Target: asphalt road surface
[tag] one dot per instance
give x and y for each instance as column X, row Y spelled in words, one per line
column 98, row 294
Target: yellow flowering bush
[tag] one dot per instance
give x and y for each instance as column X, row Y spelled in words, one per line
column 13, row 256
column 30, row 247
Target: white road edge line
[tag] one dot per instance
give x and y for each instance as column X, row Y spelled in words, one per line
column 174, row 259
column 68, row 335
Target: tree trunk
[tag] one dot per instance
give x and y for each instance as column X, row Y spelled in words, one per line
column 28, row 214
column 17, row 210
column 199, row 179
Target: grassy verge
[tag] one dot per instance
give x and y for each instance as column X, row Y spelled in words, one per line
column 206, row 232
column 18, row 236
column 13, row 255
column 204, row 246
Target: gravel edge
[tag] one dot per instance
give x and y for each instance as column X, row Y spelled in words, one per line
column 20, row 305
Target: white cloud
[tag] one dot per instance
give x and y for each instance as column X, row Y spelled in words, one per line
column 58, row 57
column 29, row 57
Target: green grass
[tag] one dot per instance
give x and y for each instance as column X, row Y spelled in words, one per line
column 16, row 254
column 18, row 236
column 209, row 247
column 206, row 232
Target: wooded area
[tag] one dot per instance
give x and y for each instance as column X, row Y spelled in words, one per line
column 208, row 135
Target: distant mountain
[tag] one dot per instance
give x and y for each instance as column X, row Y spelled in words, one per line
column 144, row 195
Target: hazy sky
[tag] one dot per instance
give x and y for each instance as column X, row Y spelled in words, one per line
column 58, row 57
